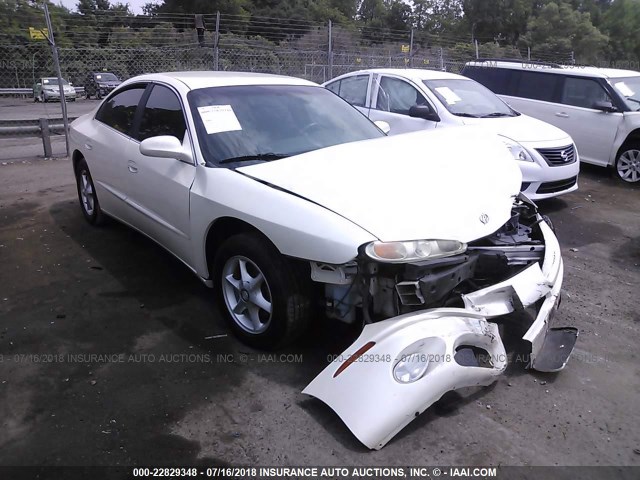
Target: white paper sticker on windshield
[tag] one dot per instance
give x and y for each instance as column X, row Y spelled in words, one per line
column 449, row 95
column 624, row 89
column 219, row 118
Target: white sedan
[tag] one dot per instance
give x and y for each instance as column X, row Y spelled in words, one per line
column 415, row 99
column 288, row 201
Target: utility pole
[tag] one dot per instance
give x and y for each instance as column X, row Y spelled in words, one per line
column 56, row 62
column 330, row 53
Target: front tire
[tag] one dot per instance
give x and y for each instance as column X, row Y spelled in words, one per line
column 263, row 296
column 87, row 197
column 627, row 165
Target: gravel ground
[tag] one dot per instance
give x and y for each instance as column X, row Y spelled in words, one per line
column 112, row 353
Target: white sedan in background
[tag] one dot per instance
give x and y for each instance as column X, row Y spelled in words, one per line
column 288, row 201
column 413, row 99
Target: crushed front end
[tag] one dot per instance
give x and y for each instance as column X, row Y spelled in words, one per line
column 439, row 309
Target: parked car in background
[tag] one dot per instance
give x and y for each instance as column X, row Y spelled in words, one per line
column 413, row 99
column 288, row 202
column 598, row 107
column 100, row 84
column 46, row 89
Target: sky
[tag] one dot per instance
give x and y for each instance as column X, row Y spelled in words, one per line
column 134, row 5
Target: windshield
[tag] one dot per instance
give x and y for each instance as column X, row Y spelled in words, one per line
column 106, row 77
column 467, row 98
column 629, row 90
column 53, row 81
column 267, row 122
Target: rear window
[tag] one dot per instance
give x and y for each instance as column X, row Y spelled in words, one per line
column 517, row 83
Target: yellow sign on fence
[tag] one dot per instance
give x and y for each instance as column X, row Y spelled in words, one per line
column 405, row 48
column 38, row 33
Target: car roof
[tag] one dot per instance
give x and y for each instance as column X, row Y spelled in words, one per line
column 415, row 74
column 203, row 79
column 576, row 70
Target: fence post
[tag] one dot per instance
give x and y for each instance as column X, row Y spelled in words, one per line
column 56, row 62
column 330, row 53
column 216, row 41
column 411, row 49
column 46, row 137
column 477, row 51
column 441, row 60
column 529, row 53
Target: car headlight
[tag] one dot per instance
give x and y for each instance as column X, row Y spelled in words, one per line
column 411, row 367
column 399, row 252
column 517, row 151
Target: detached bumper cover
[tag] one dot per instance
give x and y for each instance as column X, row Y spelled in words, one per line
column 361, row 387
column 372, row 403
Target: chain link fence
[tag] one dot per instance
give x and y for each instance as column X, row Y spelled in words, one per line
column 129, row 45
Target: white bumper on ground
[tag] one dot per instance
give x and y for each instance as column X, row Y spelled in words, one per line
column 360, row 385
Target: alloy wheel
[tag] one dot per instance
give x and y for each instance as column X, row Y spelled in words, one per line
column 247, row 294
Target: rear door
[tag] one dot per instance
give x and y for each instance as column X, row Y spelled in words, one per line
column 392, row 99
column 157, row 188
column 105, row 145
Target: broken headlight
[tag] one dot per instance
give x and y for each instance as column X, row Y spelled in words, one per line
column 399, row 252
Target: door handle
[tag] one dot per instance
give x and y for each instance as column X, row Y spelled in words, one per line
column 562, row 115
column 132, row 167
column 88, row 146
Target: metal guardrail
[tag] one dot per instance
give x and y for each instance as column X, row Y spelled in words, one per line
column 43, row 128
column 29, row 91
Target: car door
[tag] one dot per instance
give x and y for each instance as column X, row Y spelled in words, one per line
column 392, row 99
column 354, row 89
column 105, row 145
column 157, row 189
column 593, row 130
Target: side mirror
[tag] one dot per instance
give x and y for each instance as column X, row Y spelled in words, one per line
column 165, row 146
column 604, row 106
column 424, row 112
column 382, row 125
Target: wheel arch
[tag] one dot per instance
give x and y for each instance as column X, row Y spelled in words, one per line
column 632, row 136
column 75, row 159
column 221, row 229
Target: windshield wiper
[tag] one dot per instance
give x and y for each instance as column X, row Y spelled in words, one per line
column 496, row 114
column 259, row 156
column 463, row 114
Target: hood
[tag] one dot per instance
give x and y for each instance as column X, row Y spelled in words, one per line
column 423, row 185
column 521, row 128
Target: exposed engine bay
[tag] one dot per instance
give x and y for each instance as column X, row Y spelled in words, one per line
column 379, row 291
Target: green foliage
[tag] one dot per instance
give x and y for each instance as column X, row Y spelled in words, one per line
column 558, row 27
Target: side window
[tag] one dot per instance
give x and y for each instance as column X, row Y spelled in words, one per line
column 119, row 110
column 162, row 115
column 537, row 86
column 334, row 87
column 583, row 92
column 354, row 89
column 398, row 96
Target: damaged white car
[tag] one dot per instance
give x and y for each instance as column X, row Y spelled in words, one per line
column 286, row 200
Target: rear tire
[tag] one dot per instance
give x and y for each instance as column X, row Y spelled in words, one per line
column 627, row 166
column 87, row 197
column 264, row 297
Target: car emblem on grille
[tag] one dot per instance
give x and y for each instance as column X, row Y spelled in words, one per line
column 565, row 155
column 484, row 218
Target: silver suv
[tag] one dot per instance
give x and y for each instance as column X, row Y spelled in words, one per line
column 598, row 107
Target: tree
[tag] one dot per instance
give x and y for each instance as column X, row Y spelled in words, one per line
column 622, row 23
column 558, row 28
